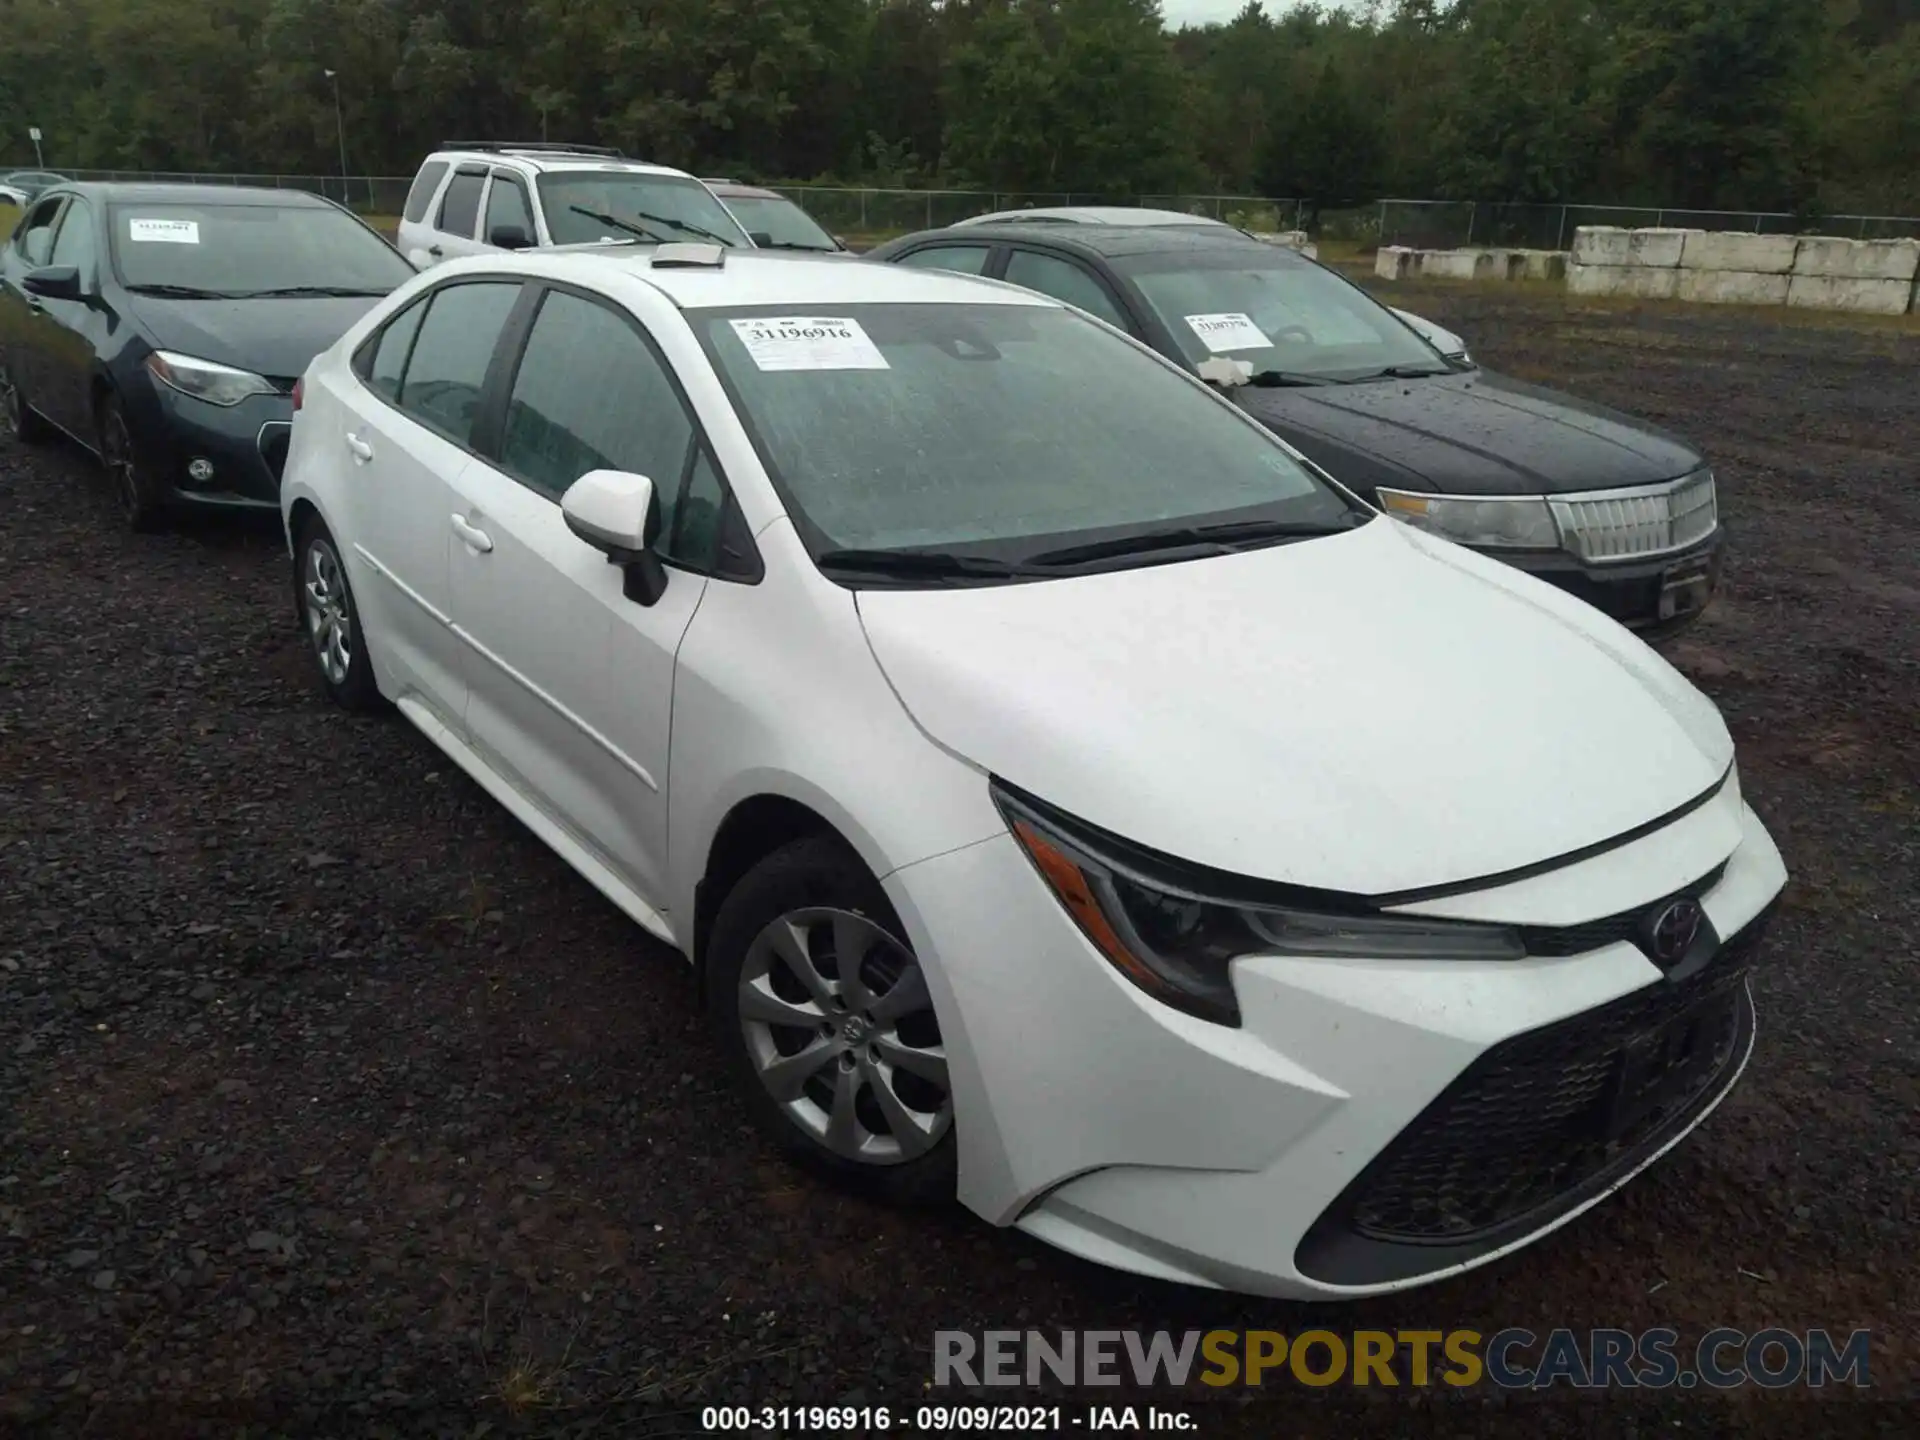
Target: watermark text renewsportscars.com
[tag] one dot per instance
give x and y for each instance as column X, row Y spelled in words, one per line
column 1512, row 1359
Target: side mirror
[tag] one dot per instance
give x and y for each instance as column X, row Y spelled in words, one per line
column 419, row 259
column 54, row 282
column 618, row 513
column 762, row 239
column 509, row 237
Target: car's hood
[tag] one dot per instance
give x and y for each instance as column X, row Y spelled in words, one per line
column 1475, row 433
column 1373, row 712
column 270, row 337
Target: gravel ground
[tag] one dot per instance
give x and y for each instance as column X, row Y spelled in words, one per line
column 327, row 1092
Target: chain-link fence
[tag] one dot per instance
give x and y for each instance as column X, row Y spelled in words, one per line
column 369, row 194
column 1447, row 224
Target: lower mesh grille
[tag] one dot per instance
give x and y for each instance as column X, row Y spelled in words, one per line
column 1542, row 1114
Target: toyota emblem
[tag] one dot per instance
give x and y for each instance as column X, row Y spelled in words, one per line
column 1674, row 929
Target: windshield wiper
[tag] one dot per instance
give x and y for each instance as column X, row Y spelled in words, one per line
column 328, row 290
column 795, row 245
column 928, row 564
column 687, row 227
column 183, row 292
column 1219, row 538
column 1402, row 372
column 614, row 220
column 1276, row 379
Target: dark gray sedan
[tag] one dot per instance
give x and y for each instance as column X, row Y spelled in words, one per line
column 1603, row 505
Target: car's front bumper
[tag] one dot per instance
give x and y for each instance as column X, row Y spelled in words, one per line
column 245, row 444
column 1141, row 1137
column 1656, row 598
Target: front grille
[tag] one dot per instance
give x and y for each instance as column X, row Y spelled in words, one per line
column 1628, row 925
column 1634, row 524
column 1543, row 1118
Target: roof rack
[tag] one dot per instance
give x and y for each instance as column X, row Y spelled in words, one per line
column 555, row 148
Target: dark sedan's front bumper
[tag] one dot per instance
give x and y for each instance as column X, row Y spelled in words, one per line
column 1656, row 598
column 245, row 444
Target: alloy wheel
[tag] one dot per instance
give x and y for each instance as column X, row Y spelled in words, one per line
column 329, row 621
column 841, row 1031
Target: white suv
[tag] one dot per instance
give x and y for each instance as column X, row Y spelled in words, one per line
column 473, row 197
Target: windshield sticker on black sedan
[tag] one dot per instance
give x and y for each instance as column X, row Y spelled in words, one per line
column 808, row 342
column 172, row 232
column 1232, row 331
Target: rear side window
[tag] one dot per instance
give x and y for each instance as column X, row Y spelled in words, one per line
column 442, row 380
column 462, row 205
column 966, row 259
column 387, row 361
column 424, row 184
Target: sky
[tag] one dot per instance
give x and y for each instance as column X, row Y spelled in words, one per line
column 1202, row 12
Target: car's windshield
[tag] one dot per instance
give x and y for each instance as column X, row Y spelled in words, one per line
column 1003, row 429
column 246, row 249
column 584, row 206
column 781, row 221
column 1276, row 312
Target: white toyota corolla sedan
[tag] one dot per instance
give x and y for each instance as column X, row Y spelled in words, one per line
column 1069, row 797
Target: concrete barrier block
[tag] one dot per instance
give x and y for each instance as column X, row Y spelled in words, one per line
column 1732, row 287
column 1867, row 297
column 1457, row 264
column 1542, row 265
column 1858, row 259
column 1736, row 250
column 1640, row 282
column 1610, row 245
column 1394, row 262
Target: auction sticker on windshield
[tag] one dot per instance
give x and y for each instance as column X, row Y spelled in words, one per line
column 808, row 342
column 1231, row 331
column 173, row 232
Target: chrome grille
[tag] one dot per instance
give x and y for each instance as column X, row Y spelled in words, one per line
column 1631, row 524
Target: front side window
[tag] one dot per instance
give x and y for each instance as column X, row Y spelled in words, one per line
column 586, row 206
column 36, row 236
column 442, row 379
column 421, row 194
column 961, row 259
column 1275, row 312
column 589, row 394
column 507, row 206
column 1066, row 281
column 219, row 251
column 74, row 244
column 1006, row 427
column 461, row 207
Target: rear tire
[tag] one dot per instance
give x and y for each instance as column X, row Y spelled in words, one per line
column 21, row 420
column 829, row 1027
column 330, row 621
column 142, row 498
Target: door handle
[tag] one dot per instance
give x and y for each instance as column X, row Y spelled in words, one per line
column 435, row 251
column 362, row 451
column 476, row 538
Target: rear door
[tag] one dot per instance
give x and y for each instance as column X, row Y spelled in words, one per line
column 25, row 337
column 416, row 229
column 406, row 444
column 456, row 217
column 569, row 683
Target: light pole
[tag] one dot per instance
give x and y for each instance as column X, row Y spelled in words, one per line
column 339, row 120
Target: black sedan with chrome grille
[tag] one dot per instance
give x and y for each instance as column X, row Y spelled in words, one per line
column 1603, row 505
column 164, row 327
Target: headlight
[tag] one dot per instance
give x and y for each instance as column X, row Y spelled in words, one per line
column 205, row 380
column 1167, row 935
column 1509, row 524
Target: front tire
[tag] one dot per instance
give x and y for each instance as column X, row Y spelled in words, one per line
column 829, row 1026
column 330, row 621
column 21, row 420
column 141, row 497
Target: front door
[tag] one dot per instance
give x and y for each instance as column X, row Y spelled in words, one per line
column 569, row 683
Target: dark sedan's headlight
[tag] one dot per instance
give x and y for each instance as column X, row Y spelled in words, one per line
column 206, row 379
column 1177, row 943
column 1499, row 522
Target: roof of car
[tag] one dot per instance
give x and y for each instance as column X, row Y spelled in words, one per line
column 151, row 192
column 1093, row 215
column 734, row 190
column 764, row 277
column 549, row 160
column 1109, row 241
